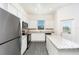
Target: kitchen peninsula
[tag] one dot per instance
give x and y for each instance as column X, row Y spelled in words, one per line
column 39, row 35
column 57, row 45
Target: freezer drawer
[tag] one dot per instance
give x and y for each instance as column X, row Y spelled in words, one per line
column 10, row 48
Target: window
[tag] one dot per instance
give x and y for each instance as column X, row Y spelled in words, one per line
column 40, row 24
column 67, row 25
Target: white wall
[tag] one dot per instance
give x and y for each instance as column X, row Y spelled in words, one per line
column 68, row 12
column 34, row 18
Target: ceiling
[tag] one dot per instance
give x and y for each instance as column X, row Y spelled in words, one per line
column 42, row 8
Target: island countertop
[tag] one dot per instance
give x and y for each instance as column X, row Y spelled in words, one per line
column 62, row 43
column 35, row 30
column 40, row 31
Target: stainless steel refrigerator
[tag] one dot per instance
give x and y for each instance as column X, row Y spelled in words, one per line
column 9, row 34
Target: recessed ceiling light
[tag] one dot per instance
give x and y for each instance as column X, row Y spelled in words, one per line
column 50, row 9
column 35, row 9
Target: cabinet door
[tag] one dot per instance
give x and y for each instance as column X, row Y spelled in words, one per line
column 38, row 37
column 24, row 44
column 12, row 9
column 4, row 6
column 50, row 47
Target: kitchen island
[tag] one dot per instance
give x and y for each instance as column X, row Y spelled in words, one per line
column 39, row 35
column 56, row 45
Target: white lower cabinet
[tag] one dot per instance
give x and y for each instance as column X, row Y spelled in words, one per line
column 38, row 37
column 51, row 48
column 23, row 44
column 55, row 50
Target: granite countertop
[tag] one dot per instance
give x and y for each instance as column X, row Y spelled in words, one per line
column 35, row 30
column 29, row 31
column 62, row 43
column 40, row 31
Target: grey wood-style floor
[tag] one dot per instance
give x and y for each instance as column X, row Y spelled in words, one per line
column 37, row 48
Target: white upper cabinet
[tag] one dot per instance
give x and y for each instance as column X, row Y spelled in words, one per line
column 15, row 9
column 12, row 9
column 4, row 6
